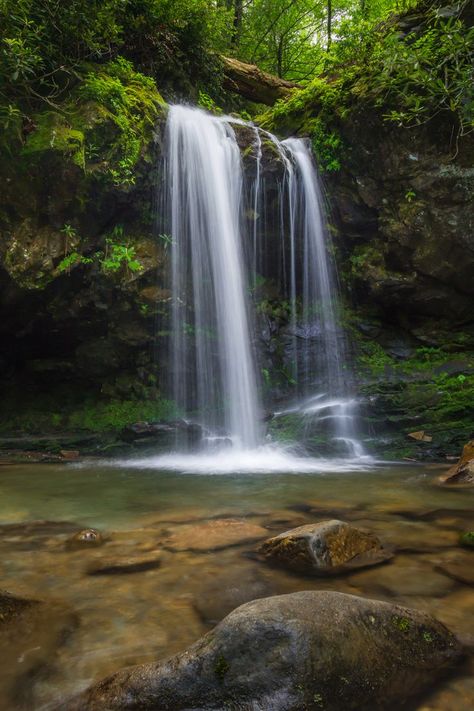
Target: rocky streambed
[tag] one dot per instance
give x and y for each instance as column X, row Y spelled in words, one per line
column 118, row 567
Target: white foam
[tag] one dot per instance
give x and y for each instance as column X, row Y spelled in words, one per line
column 263, row 460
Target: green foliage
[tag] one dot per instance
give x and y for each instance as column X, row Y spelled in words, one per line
column 279, row 36
column 114, row 415
column 131, row 102
column 205, row 102
column 409, row 78
column 166, row 240
column 72, row 260
column 46, row 44
column 467, row 539
column 327, row 145
column 69, row 410
column 119, row 255
column 375, row 359
column 426, row 75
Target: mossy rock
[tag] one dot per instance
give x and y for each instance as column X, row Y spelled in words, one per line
column 467, row 539
column 306, row 650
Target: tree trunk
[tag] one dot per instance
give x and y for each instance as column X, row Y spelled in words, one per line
column 250, row 82
column 238, row 14
column 329, row 25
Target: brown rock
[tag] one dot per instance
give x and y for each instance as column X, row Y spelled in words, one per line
column 405, row 577
column 325, row 548
column 124, row 564
column 213, row 535
column 420, row 436
column 462, row 473
column 88, row 537
column 69, row 453
column 460, row 568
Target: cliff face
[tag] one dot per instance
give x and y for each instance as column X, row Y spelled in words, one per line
column 403, row 200
column 84, row 283
column 403, row 204
column 81, row 276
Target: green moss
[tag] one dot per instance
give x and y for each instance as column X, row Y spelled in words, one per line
column 467, row 539
column 49, row 415
column 54, row 132
column 221, row 667
column 105, row 124
column 401, row 623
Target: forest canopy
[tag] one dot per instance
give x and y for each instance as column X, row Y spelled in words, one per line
column 48, row 47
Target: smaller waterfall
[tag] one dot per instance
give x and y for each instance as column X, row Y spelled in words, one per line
column 319, row 300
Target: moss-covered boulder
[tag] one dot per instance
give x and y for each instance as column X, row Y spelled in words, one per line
column 306, row 650
column 325, row 548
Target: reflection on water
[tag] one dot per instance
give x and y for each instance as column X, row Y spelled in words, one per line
column 141, row 616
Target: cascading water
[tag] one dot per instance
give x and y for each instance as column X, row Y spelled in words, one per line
column 214, row 373
column 215, row 261
column 319, row 300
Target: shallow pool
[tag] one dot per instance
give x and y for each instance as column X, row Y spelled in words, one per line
column 141, row 510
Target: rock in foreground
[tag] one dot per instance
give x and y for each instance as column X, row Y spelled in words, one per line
column 325, row 548
column 306, row 650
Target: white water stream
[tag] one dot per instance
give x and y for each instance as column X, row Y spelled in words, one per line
column 214, row 265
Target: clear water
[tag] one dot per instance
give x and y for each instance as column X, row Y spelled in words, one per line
column 127, row 619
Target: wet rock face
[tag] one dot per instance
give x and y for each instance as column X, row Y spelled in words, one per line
column 325, row 548
column 77, row 323
column 403, row 200
column 306, row 650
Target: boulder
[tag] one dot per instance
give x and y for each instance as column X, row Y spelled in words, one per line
column 87, row 538
column 325, row 548
column 306, row 650
column 462, row 473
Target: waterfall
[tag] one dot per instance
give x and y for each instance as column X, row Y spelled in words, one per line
column 212, row 360
column 319, row 299
column 215, row 260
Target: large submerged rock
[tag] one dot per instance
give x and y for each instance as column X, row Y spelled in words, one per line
column 31, row 631
column 325, row 548
column 213, row 535
column 307, row 650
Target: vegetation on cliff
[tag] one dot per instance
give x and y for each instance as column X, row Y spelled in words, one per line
column 81, row 95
